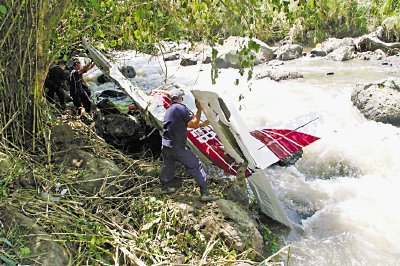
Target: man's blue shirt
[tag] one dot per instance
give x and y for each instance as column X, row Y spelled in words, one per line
column 175, row 125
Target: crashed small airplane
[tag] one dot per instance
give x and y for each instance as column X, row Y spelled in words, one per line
column 226, row 142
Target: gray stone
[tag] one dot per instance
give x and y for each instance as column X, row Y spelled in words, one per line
column 128, row 71
column 172, row 57
column 289, row 52
column 318, row 52
column 120, row 126
column 234, row 225
column 333, row 43
column 379, row 101
column 44, row 251
column 62, row 136
column 371, row 43
column 188, row 62
column 97, row 174
column 279, row 75
column 343, row 53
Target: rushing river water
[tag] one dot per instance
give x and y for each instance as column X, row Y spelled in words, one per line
column 345, row 190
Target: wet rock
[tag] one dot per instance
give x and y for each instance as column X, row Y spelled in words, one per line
column 112, row 94
column 343, row 53
column 43, row 250
column 207, row 60
column 103, row 79
column 121, row 126
column 275, row 63
column 107, row 107
column 234, row 225
column 371, row 42
column 172, row 57
column 379, row 101
column 128, row 71
column 393, row 51
column 279, row 75
column 289, row 52
column 188, row 62
column 318, row 52
column 221, row 63
column 333, row 43
column 238, row 194
column 129, row 133
column 369, row 55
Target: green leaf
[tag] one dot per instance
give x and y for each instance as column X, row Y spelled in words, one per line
column 106, row 44
column 113, row 43
column 8, row 261
column 3, row 10
column 5, row 240
column 25, row 251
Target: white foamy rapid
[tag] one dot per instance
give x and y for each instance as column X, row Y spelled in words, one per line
column 345, row 190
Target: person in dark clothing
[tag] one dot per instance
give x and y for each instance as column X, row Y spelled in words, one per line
column 176, row 121
column 56, row 82
column 79, row 92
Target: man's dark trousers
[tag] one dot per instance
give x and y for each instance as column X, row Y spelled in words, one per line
column 185, row 156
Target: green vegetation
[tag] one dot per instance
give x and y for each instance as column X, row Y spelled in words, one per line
column 132, row 225
column 34, row 33
column 140, row 25
column 60, row 25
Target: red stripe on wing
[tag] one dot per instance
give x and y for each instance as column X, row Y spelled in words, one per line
column 283, row 142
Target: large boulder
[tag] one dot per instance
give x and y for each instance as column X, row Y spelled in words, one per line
column 379, row 101
column 289, row 52
column 62, row 136
column 234, row 225
column 107, row 107
column 121, row 126
column 343, row 53
column 371, row 43
column 96, row 175
column 318, row 52
column 333, row 43
column 42, row 249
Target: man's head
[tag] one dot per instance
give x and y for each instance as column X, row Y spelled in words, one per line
column 176, row 95
column 62, row 63
column 76, row 63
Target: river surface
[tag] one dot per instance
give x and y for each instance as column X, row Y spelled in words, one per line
column 345, row 191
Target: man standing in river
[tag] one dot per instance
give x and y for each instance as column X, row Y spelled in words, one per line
column 176, row 121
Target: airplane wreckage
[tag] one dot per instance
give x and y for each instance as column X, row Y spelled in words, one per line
column 226, row 142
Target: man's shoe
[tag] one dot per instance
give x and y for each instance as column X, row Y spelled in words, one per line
column 167, row 190
column 208, row 197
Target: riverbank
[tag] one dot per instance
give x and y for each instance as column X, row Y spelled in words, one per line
column 92, row 204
